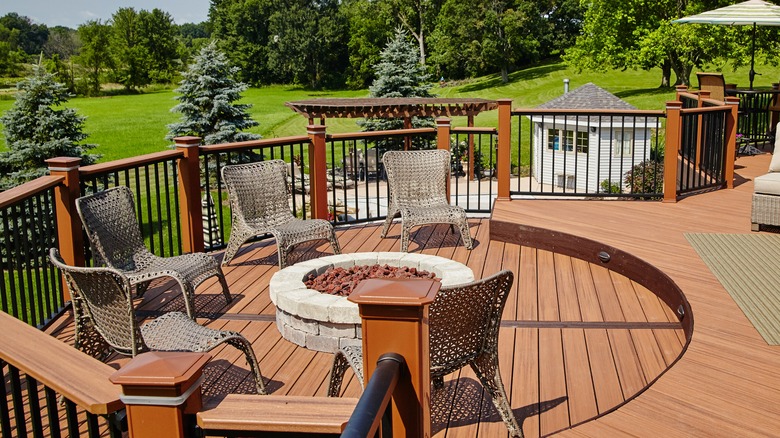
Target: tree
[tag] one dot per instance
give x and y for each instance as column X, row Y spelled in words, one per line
column 63, row 41
column 131, row 55
column 158, row 37
column 38, row 127
column 369, row 30
column 207, row 93
column 30, row 37
column 417, row 17
column 241, row 28
column 306, row 46
column 95, row 54
column 620, row 34
column 475, row 37
column 399, row 73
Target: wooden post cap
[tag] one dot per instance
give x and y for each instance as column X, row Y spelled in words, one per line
column 413, row 292
column 161, row 373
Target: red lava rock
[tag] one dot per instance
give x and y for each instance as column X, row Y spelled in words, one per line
column 340, row 281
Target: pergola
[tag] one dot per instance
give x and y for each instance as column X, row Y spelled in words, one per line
column 391, row 107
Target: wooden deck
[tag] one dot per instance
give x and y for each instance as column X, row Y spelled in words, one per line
column 578, row 341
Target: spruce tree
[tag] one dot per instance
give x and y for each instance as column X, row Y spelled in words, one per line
column 37, row 127
column 207, row 93
column 399, row 74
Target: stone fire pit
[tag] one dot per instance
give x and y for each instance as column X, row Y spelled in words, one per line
column 324, row 322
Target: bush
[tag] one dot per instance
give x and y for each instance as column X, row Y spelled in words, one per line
column 646, row 177
column 608, row 186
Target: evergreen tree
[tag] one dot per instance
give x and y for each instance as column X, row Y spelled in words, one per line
column 398, row 74
column 37, row 128
column 207, row 93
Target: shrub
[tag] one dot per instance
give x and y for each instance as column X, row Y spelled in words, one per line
column 646, row 177
column 608, row 186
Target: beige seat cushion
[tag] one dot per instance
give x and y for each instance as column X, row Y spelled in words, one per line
column 768, row 184
column 774, row 165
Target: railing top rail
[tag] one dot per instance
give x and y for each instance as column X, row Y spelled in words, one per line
column 79, row 377
column 253, row 144
column 393, row 133
column 474, row 130
column 706, row 109
column 129, row 163
column 588, row 112
column 28, row 189
column 688, row 95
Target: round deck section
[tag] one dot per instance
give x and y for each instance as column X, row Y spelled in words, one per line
column 324, row 322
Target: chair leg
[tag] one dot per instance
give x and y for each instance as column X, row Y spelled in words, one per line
column 337, row 370
column 235, row 241
column 388, row 222
column 406, row 231
column 188, row 293
column 486, row 369
column 466, row 235
column 223, row 283
column 334, row 243
column 244, row 346
column 282, row 253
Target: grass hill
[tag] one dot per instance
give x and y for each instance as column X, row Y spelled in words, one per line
column 128, row 125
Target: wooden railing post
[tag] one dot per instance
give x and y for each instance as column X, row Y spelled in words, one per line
column 443, row 125
column 158, row 389
column 774, row 108
column 318, row 172
column 703, row 94
column 680, row 89
column 731, row 140
column 504, row 165
column 69, row 234
column 395, row 320
column 671, row 152
column 189, row 194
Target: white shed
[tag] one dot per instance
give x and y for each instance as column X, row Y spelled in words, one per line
column 577, row 151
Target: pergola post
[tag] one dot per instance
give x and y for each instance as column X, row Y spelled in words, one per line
column 189, row 194
column 318, row 169
column 672, row 150
column 395, row 320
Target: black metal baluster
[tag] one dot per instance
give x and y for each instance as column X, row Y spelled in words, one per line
column 35, row 407
column 52, row 413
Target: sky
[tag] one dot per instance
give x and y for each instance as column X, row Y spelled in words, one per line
column 72, row 13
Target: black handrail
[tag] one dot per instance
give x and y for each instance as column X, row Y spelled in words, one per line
column 372, row 408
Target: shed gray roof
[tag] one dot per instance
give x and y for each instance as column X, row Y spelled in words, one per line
column 588, row 96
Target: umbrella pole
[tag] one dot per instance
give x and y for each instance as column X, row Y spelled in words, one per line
column 752, row 73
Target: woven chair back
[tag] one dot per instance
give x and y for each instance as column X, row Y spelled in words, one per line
column 258, row 192
column 113, row 231
column 105, row 296
column 417, row 178
column 464, row 321
column 714, row 83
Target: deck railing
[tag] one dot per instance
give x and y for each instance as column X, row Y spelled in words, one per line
column 30, row 291
column 589, row 153
column 44, row 397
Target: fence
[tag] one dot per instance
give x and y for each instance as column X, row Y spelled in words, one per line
column 588, row 153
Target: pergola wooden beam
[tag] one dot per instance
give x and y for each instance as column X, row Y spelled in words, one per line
column 390, row 107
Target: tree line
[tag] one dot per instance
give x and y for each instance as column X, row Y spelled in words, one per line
column 337, row 43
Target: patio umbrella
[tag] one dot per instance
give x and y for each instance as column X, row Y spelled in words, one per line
column 751, row 12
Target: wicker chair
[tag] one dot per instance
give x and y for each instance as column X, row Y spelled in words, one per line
column 259, row 203
column 116, row 241
column 104, row 297
column 463, row 323
column 714, row 83
column 766, row 193
column 418, row 192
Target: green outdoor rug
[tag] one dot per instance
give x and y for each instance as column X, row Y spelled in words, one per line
column 748, row 266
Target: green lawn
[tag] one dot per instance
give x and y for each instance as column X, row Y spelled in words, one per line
column 131, row 125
